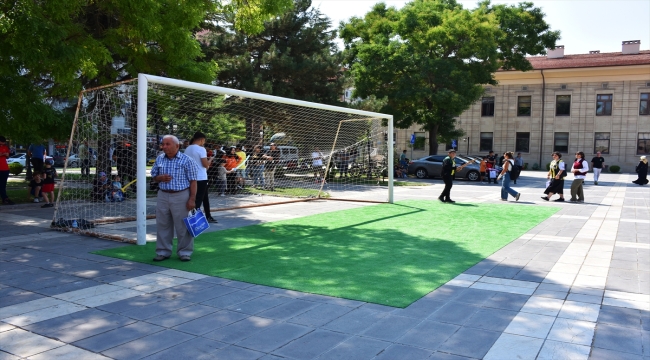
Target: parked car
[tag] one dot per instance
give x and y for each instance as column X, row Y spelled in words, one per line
column 74, row 161
column 21, row 158
column 431, row 166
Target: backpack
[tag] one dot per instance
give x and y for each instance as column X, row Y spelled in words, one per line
column 514, row 172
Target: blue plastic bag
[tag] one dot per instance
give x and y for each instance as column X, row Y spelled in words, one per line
column 196, row 223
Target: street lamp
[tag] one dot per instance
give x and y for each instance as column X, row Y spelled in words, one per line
column 467, row 139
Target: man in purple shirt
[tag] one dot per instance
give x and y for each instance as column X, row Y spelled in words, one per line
column 176, row 175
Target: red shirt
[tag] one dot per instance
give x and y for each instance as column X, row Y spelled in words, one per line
column 3, row 159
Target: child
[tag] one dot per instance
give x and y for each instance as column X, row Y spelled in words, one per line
column 116, row 191
column 221, row 177
column 35, row 186
column 49, row 174
column 483, row 168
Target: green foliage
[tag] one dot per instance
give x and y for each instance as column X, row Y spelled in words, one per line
column 548, row 166
column 536, row 166
column 614, row 169
column 15, row 168
column 431, row 59
column 51, row 50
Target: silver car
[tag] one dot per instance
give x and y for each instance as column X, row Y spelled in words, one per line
column 431, row 166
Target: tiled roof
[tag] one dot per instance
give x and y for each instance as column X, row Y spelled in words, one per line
column 590, row 60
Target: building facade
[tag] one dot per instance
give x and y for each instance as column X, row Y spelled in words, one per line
column 587, row 102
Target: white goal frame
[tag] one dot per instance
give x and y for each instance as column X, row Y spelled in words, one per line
column 141, row 134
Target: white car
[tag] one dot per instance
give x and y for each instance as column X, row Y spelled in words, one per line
column 75, row 162
column 20, row 158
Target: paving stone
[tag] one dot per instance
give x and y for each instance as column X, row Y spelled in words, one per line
column 18, row 296
column 288, row 309
column 504, row 272
column 197, row 348
column 398, row 351
column 210, row 322
column 543, row 306
column 617, row 338
column 68, row 287
column 259, row 304
column 240, row 330
column 183, row 315
column 130, row 304
column 428, row 334
column 514, row 347
column 491, row 319
column 155, row 309
column 438, row 355
column 69, row 320
column 356, row 348
column 572, row 331
column 532, row 325
column 454, row 313
column 620, row 316
column 604, row 354
column 274, row 337
column 88, row 329
column 420, row 309
column 320, row 315
column 445, row 293
column 553, row 350
column 119, row 336
column 232, row 299
column 507, row 301
column 391, row 327
column 356, row 321
column 311, row 345
column 579, row 311
column 148, row 345
column 480, row 341
column 24, row 344
column 550, row 294
column 66, row 352
column 196, row 291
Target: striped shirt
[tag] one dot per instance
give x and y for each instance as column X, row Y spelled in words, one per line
column 181, row 167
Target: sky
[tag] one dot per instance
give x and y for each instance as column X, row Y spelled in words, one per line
column 585, row 25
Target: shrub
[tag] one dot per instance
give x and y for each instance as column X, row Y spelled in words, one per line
column 548, row 167
column 15, row 168
column 614, row 169
column 535, row 166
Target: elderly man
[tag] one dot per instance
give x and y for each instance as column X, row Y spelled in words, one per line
column 176, row 175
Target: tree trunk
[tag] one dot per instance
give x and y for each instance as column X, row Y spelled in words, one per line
column 433, row 140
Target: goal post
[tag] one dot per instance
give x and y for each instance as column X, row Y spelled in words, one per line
column 127, row 121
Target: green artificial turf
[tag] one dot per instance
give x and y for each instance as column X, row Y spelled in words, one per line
column 385, row 254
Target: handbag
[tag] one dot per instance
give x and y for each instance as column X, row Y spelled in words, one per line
column 196, row 223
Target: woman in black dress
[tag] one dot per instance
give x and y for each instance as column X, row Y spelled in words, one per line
column 642, row 172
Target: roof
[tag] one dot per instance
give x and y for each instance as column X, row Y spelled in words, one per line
column 590, row 60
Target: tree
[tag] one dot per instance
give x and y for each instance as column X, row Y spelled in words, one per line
column 294, row 56
column 431, row 58
column 52, row 49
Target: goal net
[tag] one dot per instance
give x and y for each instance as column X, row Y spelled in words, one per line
column 325, row 152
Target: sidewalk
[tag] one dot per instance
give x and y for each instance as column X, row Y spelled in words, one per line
column 577, row 286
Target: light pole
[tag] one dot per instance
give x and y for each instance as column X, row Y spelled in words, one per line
column 467, row 139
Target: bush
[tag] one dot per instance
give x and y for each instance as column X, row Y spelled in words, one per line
column 548, row 167
column 15, row 168
column 535, row 166
column 614, row 169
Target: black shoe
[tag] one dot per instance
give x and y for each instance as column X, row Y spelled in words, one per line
column 545, row 198
column 450, row 201
column 8, row 202
column 160, row 258
column 441, row 199
column 211, row 220
column 559, row 200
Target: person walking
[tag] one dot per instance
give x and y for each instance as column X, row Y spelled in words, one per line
column 597, row 165
column 4, row 171
column 508, row 165
column 176, row 175
column 448, row 171
column 196, row 151
column 519, row 162
column 642, row 171
column 556, row 174
column 83, row 152
column 579, row 169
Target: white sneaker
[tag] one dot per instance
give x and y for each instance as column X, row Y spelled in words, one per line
column 36, row 200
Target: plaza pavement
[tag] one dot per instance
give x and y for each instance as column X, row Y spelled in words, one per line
column 577, row 286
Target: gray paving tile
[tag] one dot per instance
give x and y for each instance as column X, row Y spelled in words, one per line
column 356, row 321
column 445, row 293
column 68, row 321
column 507, row 301
column 550, row 294
column 197, row 348
column 620, row 316
column 233, row 352
column 155, row 309
column 356, row 348
column 195, row 291
column 182, row 315
column 475, row 296
column 119, row 336
column 470, row 342
column 391, row 327
column 238, row 284
column 260, row 304
column 438, row 355
column 274, row 337
column 320, row 315
column 18, row 296
column 288, row 310
column 398, row 351
column 121, row 275
column 71, row 286
column 454, row 312
column 604, row 354
column 505, row 272
column 240, row 330
column 148, row 345
column 130, row 304
column 232, row 299
column 428, row 334
column 85, row 330
column 210, row 322
column 420, row 309
column 6, row 356
column 491, row 319
column 618, row 338
column 311, row 345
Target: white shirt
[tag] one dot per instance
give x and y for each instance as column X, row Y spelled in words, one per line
column 197, row 153
column 585, row 168
column 318, row 158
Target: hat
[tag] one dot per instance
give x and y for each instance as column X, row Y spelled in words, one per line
column 642, row 157
column 101, row 173
column 49, row 162
column 451, row 151
column 272, row 144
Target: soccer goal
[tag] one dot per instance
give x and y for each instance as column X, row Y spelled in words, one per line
column 320, row 152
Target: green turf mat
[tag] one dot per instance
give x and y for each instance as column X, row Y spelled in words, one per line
column 385, row 254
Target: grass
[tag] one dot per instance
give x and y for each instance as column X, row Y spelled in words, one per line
column 385, row 254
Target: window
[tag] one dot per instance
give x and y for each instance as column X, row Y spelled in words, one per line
column 522, row 142
column 601, row 142
column 563, row 105
column 561, row 142
column 644, row 108
column 604, row 104
column 643, row 144
column 420, row 140
column 486, row 141
column 523, row 106
column 487, row 106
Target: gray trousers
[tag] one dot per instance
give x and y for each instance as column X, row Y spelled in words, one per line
column 269, row 176
column 170, row 211
column 576, row 190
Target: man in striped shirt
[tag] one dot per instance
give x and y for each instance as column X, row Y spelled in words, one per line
column 176, row 175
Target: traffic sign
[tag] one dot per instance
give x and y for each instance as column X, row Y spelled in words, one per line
column 412, row 138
